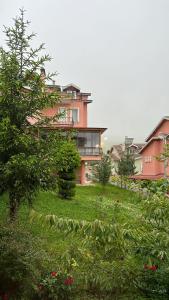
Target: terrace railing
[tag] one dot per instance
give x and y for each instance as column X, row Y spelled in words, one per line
column 87, row 151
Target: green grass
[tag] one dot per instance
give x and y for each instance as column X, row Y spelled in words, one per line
column 89, row 203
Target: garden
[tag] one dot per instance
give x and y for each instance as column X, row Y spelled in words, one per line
column 58, row 241
column 103, row 243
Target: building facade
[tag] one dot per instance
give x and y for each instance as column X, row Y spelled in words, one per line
column 73, row 111
column 152, row 167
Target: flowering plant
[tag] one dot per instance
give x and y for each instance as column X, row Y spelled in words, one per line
column 56, row 285
column 4, row 296
column 150, row 267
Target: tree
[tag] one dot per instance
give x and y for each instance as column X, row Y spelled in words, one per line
column 67, row 160
column 126, row 166
column 163, row 157
column 25, row 160
column 103, row 170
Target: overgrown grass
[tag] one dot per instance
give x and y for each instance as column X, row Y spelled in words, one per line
column 90, row 203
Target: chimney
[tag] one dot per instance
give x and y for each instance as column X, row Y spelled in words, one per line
column 42, row 73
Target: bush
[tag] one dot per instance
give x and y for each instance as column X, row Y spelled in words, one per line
column 56, row 285
column 20, row 263
column 156, row 186
column 66, row 184
column 67, row 161
column 115, row 258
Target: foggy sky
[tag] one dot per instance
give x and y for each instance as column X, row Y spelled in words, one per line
column 116, row 49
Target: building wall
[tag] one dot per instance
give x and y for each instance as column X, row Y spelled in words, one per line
column 80, row 102
column 81, row 106
column 151, row 166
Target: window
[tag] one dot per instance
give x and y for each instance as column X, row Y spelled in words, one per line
column 75, row 115
column 147, row 159
column 88, row 139
column 72, row 94
column 69, row 115
column 64, row 112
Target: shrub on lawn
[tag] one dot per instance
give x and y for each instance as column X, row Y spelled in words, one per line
column 66, row 184
column 20, row 263
column 66, row 162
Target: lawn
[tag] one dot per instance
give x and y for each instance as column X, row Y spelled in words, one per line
column 90, row 203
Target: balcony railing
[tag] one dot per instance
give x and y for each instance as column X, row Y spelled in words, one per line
column 87, row 151
column 66, row 122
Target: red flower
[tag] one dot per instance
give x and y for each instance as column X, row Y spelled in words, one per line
column 5, row 297
column 40, row 287
column 69, row 280
column 53, row 274
column 152, row 268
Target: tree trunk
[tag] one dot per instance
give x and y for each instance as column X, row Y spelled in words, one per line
column 13, row 207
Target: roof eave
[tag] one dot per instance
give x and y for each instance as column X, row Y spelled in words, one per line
column 158, row 125
column 149, row 142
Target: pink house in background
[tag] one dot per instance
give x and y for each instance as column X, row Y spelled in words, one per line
column 73, row 106
column 151, row 167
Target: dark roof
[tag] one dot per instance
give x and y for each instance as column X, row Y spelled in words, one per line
column 120, row 150
column 71, row 86
column 114, row 157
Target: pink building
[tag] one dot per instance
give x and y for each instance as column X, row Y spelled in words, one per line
column 151, row 167
column 73, row 106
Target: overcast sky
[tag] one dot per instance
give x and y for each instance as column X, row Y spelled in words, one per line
column 116, row 49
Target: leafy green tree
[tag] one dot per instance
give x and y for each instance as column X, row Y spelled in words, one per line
column 126, row 166
column 67, row 160
column 103, row 170
column 164, row 157
column 25, row 160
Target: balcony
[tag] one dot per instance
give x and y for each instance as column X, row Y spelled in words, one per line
column 68, row 121
column 67, row 97
column 90, row 151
